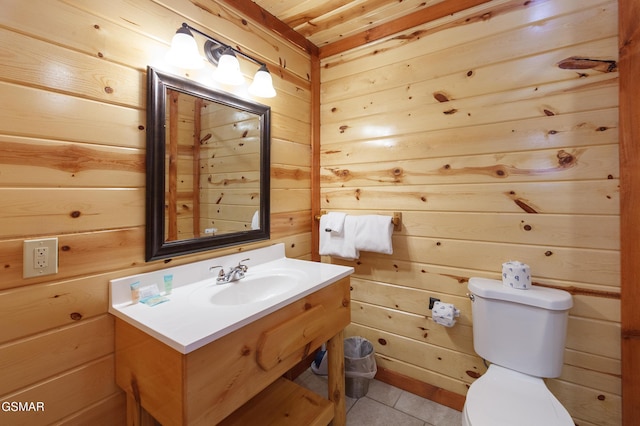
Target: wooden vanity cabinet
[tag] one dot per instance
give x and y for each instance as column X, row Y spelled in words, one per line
column 217, row 382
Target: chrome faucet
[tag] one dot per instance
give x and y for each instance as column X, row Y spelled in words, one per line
column 236, row 273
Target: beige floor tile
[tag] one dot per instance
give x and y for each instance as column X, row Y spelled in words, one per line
column 384, row 393
column 367, row 412
column 318, row 384
column 386, row 405
column 427, row 410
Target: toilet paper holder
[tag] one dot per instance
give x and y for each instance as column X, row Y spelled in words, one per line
column 432, row 300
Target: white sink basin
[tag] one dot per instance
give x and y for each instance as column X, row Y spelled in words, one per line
column 198, row 311
column 253, row 288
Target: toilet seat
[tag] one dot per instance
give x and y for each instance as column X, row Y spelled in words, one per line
column 503, row 397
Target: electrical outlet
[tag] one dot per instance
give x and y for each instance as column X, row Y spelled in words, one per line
column 40, row 257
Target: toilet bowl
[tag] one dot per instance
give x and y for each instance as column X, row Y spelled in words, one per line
column 503, row 397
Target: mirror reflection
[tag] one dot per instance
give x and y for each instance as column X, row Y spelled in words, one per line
column 207, row 168
column 213, row 168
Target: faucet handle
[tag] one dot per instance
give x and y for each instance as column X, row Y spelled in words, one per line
column 243, row 267
column 221, row 273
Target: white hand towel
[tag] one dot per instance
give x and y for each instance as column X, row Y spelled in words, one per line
column 255, row 221
column 373, row 233
column 339, row 244
column 334, row 221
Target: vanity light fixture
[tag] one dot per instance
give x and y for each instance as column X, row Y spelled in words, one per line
column 184, row 53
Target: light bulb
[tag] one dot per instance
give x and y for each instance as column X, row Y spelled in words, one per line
column 184, row 50
column 228, row 71
column 262, row 85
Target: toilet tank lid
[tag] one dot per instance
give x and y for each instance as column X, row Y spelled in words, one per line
column 541, row 297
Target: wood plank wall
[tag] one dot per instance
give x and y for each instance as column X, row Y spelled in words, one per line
column 495, row 133
column 72, row 145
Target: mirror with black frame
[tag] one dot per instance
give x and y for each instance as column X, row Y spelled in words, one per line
column 208, row 168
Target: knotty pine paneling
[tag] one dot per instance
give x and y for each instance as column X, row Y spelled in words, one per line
column 69, row 210
column 56, row 116
column 110, row 412
column 476, row 111
column 559, row 197
column 88, row 384
column 543, row 165
column 594, row 128
column 51, row 305
column 429, row 357
column 68, row 347
column 101, row 165
column 72, row 165
column 413, row 326
column 457, row 39
column 593, row 231
column 496, row 144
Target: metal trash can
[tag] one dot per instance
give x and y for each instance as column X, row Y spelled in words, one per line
column 356, row 387
column 359, row 366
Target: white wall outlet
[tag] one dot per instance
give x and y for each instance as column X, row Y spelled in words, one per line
column 40, row 257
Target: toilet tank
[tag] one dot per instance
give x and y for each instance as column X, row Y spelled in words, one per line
column 523, row 330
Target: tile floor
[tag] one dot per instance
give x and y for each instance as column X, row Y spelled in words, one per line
column 386, row 405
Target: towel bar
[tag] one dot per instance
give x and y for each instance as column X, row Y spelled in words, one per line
column 396, row 219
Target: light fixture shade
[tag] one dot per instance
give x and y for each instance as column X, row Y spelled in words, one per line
column 262, row 85
column 184, row 50
column 228, row 71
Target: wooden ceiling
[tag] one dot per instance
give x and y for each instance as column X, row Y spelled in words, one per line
column 323, row 22
column 328, row 27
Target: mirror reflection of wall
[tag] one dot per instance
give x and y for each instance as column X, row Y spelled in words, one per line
column 213, row 168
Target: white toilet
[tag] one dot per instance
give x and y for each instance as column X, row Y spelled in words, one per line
column 522, row 333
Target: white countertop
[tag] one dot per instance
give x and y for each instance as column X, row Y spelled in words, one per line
column 186, row 326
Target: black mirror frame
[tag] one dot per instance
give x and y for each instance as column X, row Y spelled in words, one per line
column 155, row 245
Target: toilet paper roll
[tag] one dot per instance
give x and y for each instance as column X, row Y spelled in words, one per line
column 516, row 275
column 444, row 314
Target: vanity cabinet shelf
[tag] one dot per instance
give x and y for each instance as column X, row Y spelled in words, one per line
column 283, row 403
column 237, row 379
